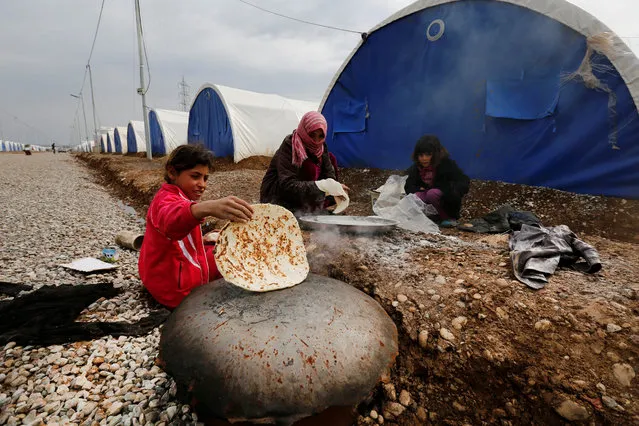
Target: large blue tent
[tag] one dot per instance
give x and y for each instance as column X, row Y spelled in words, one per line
column 536, row 92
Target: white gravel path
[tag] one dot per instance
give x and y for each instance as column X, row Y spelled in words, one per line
column 51, row 213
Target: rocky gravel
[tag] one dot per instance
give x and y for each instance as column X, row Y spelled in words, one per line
column 52, row 213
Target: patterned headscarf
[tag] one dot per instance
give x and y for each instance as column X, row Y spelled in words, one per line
column 302, row 142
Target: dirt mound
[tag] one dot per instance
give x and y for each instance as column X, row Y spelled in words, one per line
column 478, row 347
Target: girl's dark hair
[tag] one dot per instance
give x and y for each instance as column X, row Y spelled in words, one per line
column 430, row 145
column 186, row 157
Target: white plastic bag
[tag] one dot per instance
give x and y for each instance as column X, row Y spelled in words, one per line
column 409, row 211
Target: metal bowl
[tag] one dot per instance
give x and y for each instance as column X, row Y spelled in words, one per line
column 353, row 224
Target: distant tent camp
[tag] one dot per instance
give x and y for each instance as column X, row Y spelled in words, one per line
column 135, row 137
column 168, row 130
column 85, row 146
column 535, row 92
column 119, row 140
column 241, row 123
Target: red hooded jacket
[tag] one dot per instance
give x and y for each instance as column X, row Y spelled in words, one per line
column 173, row 259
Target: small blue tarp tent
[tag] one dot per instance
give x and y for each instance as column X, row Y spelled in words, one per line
column 535, row 92
column 168, row 129
column 119, row 139
column 135, row 137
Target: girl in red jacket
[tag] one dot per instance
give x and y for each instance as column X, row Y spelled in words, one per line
column 173, row 259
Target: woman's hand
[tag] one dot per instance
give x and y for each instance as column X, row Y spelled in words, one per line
column 227, row 208
column 346, row 188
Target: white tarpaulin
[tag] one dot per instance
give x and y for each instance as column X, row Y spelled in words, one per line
column 174, row 127
column 408, row 211
column 137, row 137
column 121, row 131
column 259, row 121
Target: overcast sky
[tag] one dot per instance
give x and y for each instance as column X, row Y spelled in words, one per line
column 45, row 45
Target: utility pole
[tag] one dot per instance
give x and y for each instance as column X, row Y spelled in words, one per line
column 95, row 124
column 79, row 130
column 86, row 128
column 142, row 89
column 185, row 96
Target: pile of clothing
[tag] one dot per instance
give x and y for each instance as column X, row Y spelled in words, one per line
column 536, row 251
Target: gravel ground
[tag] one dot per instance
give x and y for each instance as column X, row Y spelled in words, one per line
column 52, row 213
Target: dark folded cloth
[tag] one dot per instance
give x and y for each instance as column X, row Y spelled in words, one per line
column 47, row 316
column 504, row 219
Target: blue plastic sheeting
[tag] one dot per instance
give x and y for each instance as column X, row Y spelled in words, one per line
column 102, row 147
column 522, row 99
column 109, row 143
column 155, row 133
column 209, row 124
column 118, row 141
column 412, row 86
column 131, row 144
column 349, row 116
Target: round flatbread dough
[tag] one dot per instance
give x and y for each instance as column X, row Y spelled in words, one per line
column 267, row 253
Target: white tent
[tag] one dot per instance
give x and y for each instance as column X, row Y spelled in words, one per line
column 168, row 130
column 119, row 140
column 110, row 140
column 136, row 141
column 104, row 146
column 242, row 123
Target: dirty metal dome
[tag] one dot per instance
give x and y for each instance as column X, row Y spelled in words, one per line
column 279, row 356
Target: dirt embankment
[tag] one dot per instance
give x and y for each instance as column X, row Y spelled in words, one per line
column 476, row 346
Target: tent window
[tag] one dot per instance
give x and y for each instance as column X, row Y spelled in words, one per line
column 350, row 116
column 522, row 99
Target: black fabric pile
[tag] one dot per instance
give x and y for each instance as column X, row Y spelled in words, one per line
column 47, row 315
column 504, row 219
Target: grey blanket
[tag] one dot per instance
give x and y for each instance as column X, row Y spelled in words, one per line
column 536, row 252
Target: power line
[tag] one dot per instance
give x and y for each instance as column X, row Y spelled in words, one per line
column 97, row 28
column 95, row 37
column 24, row 123
column 362, row 33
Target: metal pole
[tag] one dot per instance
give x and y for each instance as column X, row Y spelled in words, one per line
column 95, row 124
column 86, row 128
column 79, row 131
column 141, row 89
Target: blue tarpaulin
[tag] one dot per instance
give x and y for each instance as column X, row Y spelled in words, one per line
column 492, row 83
column 118, row 139
column 209, row 124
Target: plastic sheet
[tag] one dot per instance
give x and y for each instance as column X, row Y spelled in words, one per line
column 408, row 211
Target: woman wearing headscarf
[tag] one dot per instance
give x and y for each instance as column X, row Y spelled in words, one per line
column 302, row 176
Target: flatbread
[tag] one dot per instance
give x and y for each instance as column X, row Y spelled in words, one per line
column 265, row 254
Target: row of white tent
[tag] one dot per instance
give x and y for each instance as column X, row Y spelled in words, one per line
column 228, row 121
column 10, row 146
